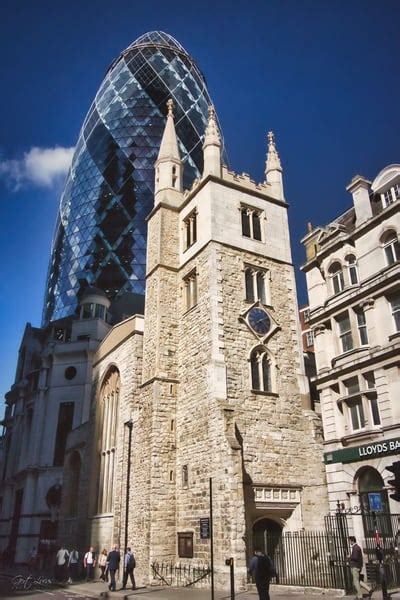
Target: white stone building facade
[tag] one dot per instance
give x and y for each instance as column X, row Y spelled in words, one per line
column 50, row 398
column 353, row 283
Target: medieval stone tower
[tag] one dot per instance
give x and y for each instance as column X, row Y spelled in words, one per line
column 211, row 382
column 223, row 391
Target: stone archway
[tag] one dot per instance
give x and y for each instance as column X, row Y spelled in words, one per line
column 374, row 501
column 266, row 535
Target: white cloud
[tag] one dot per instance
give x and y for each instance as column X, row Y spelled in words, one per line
column 40, row 166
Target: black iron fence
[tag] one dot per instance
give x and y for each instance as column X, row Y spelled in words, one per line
column 311, row 559
column 315, row 558
column 181, row 575
column 378, row 529
column 383, row 530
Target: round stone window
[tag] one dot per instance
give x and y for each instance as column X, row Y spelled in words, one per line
column 70, row 372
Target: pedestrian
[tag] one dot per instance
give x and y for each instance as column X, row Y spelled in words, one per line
column 262, row 570
column 62, row 563
column 129, row 566
column 113, row 560
column 356, row 563
column 103, row 565
column 73, row 566
column 33, row 556
column 89, row 562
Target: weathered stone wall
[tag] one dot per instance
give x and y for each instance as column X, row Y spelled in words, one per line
column 103, row 530
column 281, row 445
column 158, row 392
column 190, row 399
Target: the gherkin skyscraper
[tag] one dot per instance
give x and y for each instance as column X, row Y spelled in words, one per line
column 100, row 236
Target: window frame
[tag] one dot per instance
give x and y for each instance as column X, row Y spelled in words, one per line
column 185, row 476
column 361, row 401
column 190, row 290
column 336, row 277
column 391, row 246
column 261, row 370
column 374, row 410
column 108, row 439
column 387, row 198
column 394, row 302
column 352, row 268
column 190, row 229
column 251, row 221
column 345, row 334
column 309, row 338
column 253, row 290
column 356, row 415
column 361, row 326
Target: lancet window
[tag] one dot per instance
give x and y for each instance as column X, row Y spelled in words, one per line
column 261, row 371
column 108, row 417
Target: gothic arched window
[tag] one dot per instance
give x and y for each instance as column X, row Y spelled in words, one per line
column 109, row 399
column 256, row 284
column 261, row 370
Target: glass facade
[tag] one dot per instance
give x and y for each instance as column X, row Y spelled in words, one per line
column 100, row 236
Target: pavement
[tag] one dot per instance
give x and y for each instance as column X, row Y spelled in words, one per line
column 100, row 590
column 85, row 591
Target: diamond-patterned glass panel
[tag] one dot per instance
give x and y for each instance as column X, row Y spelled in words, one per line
column 100, row 236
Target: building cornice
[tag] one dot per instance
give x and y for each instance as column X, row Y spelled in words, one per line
column 366, row 291
column 374, row 356
column 350, row 237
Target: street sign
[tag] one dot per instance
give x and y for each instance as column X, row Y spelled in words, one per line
column 375, row 501
column 205, row 528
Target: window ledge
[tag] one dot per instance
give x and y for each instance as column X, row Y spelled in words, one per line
column 188, row 247
column 349, row 397
column 360, row 435
column 262, row 393
column 247, row 237
column 394, row 336
column 349, row 354
column 189, row 310
column 103, row 516
column 257, row 300
column 369, row 392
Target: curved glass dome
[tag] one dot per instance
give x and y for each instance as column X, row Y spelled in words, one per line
column 100, row 236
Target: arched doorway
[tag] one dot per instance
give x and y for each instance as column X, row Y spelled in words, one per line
column 374, row 502
column 267, row 534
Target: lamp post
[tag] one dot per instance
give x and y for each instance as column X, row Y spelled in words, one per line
column 129, row 425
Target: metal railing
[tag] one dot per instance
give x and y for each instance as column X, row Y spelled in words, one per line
column 181, row 575
column 309, row 559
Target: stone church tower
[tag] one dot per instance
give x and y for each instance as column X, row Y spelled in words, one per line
column 223, row 391
column 211, row 382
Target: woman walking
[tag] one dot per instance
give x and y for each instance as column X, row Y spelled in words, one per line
column 103, row 565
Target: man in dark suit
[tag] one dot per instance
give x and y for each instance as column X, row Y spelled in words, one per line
column 113, row 559
column 262, row 570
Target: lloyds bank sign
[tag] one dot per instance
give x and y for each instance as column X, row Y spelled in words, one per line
column 375, row 450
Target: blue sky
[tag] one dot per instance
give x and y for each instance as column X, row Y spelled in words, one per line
column 322, row 74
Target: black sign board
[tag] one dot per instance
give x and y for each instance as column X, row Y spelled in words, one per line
column 205, row 528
